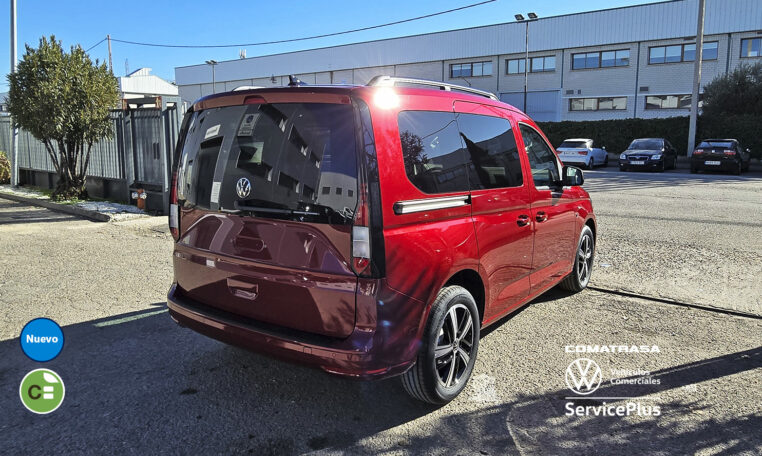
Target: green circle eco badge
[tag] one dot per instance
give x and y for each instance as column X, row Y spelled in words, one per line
column 42, row 391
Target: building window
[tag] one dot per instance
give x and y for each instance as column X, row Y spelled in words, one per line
column 598, row 104
column 515, row 66
column 543, row 64
column 671, row 101
column 680, row 53
column 751, row 47
column 536, row 65
column 472, row 69
column 338, row 190
column 602, row 59
column 326, row 190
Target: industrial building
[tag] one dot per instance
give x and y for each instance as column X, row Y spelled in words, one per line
column 624, row 62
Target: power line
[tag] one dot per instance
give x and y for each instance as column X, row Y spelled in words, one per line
column 197, row 46
column 95, row 45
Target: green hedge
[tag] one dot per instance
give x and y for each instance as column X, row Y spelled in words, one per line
column 617, row 134
column 5, row 169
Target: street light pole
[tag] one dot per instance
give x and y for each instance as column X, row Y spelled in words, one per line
column 213, row 63
column 696, row 79
column 526, row 64
column 520, row 18
column 14, row 128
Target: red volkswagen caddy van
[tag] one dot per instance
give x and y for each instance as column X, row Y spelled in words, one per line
column 370, row 231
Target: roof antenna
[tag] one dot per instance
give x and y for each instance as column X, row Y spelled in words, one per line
column 293, row 81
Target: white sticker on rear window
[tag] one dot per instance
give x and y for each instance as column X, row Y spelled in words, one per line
column 215, row 196
column 212, row 131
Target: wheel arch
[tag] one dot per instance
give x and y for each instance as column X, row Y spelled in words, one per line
column 471, row 281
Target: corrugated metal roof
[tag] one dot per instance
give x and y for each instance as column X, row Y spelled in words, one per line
column 672, row 19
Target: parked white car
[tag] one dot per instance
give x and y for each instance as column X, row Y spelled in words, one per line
column 581, row 151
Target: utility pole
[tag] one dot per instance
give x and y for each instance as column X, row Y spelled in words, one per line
column 110, row 66
column 696, row 78
column 15, row 130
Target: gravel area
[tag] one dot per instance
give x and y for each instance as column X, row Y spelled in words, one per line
column 691, row 238
column 138, row 384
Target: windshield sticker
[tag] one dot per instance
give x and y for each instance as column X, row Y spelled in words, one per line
column 212, row 131
column 247, row 124
column 215, row 196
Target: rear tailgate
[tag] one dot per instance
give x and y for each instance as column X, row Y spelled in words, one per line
column 267, row 193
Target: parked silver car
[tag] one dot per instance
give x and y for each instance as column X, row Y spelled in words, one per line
column 582, row 151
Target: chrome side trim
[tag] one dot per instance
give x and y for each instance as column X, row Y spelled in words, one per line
column 430, row 204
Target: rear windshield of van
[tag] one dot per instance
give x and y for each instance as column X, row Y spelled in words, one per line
column 295, row 161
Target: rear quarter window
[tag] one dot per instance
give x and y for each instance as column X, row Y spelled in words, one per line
column 435, row 161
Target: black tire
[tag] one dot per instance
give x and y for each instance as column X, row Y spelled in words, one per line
column 579, row 277
column 694, row 170
column 739, row 169
column 424, row 381
column 591, row 165
column 622, row 168
column 606, row 160
column 660, row 168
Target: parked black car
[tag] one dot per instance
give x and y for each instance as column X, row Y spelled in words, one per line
column 648, row 153
column 720, row 155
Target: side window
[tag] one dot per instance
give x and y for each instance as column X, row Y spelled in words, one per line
column 435, row 161
column 492, row 150
column 542, row 160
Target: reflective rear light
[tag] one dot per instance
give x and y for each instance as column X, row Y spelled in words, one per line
column 729, row 152
column 361, row 234
column 583, row 152
column 698, row 151
column 174, row 216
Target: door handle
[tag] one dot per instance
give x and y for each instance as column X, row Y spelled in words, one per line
column 541, row 216
column 523, row 220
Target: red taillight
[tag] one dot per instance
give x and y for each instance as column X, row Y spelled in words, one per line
column 698, row 151
column 361, row 233
column 174, row 225
column 729, row 152
column 583, row 152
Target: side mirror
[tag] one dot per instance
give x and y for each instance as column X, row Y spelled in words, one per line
column 572, row 176
column 748, row 150
column 604, row 147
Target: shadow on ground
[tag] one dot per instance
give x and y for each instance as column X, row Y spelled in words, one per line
column 138, row 384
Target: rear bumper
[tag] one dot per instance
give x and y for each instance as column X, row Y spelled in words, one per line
column 375, row 349
column 725, row 165
column 575, row 161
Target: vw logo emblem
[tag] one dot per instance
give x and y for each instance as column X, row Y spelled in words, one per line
column 583, row 376
column 243, row 188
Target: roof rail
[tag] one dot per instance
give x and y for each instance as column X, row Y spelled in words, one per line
column 383, row 80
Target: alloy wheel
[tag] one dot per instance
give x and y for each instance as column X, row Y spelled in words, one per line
column 585, row 259
column 455, row 343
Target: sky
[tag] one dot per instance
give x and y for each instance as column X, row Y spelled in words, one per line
column 86, row 22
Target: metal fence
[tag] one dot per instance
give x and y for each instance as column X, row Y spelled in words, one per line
column 139, row 153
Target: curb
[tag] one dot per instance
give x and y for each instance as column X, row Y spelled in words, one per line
column 73, row 210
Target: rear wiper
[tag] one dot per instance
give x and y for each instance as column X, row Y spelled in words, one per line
column 272, row 210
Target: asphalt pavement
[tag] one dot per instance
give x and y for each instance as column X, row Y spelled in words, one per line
column 136, row 383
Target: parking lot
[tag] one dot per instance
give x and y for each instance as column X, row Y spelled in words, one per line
column 138, row 384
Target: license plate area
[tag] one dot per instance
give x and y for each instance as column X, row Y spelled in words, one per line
column 712, row 162
column 637, row 162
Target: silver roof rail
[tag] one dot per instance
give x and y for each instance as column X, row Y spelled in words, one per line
column 391, row 81
column 239, row 88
